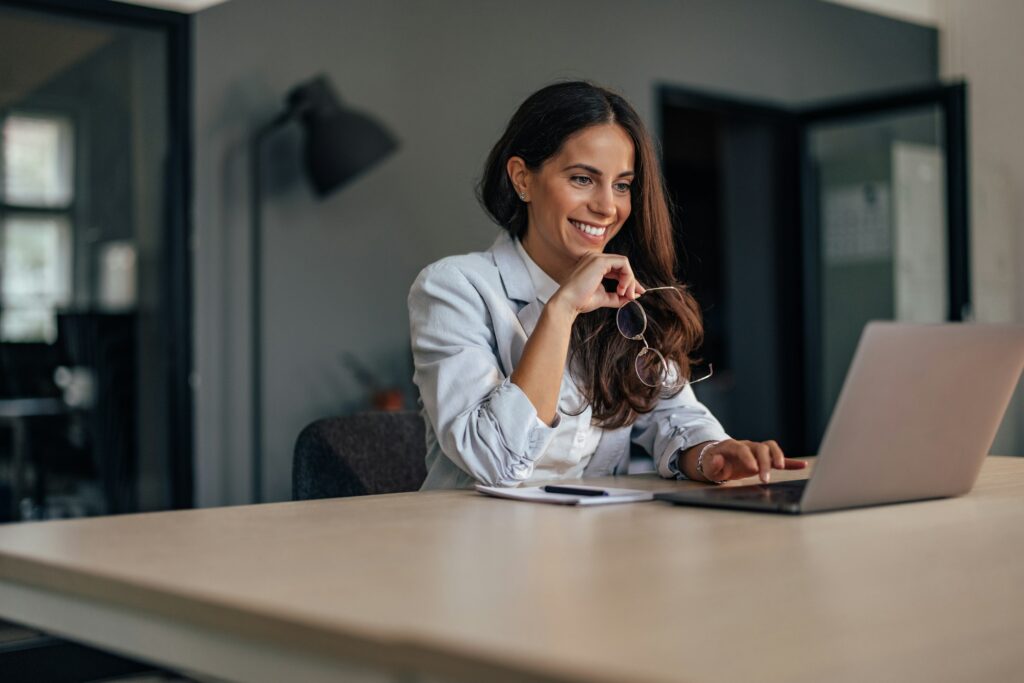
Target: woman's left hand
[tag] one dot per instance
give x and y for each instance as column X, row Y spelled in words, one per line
column 732, row 459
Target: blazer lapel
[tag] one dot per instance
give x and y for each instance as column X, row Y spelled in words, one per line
column 529, row 315
column 517, row 282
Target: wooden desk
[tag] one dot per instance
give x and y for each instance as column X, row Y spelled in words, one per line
column 454, row 585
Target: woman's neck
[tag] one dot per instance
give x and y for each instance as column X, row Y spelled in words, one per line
column 555, row 268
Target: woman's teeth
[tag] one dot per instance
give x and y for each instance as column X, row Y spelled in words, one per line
column 589, row 229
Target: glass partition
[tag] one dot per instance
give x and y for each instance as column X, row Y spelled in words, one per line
column 87, row 324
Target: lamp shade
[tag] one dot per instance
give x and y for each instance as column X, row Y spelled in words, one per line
column 340, row 143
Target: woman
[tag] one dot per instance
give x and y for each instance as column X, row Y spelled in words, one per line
column 545, row 356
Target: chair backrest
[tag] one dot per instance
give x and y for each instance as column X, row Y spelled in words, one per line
column 355, row 455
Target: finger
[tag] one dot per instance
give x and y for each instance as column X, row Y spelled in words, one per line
column 603, row 299
column 764, row 461
column 725, row 472
column 624, row 288
column 742, row 458
column 792, row 464
column 778, row 459
column 716, row 468
column 615, row 262
column 629, row 284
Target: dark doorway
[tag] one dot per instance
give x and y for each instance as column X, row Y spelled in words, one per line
column 755, row 186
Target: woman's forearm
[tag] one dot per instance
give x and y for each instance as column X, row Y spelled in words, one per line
column 540, row 369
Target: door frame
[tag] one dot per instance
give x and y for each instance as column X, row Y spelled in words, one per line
column 951, row 98
column 177, row 278
column 788, row 230
column 799, row 302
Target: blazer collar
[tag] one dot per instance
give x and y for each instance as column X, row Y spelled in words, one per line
column 515, row 277
column 514, row 274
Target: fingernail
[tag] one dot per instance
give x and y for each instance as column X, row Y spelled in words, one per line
column 767, row 477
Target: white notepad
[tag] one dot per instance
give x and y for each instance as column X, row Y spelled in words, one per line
column 536, row 494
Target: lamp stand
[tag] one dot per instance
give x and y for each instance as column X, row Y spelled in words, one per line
column 256, row 297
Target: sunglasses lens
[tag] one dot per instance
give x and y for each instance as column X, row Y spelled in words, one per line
column 631, row 320
column 651, row 367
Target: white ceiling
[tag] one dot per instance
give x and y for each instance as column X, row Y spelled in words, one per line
column 924, row 12
column 185, row 6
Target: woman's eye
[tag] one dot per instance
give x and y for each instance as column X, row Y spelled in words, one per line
column 622, row 187
column 581, row 179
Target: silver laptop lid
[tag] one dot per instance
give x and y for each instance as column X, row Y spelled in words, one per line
column 917, row 413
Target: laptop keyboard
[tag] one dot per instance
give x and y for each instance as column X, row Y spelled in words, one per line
column 779, row 492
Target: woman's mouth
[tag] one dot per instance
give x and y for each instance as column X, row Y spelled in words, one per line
column 593, row 231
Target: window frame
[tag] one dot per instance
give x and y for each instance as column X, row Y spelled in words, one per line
column 66, row 211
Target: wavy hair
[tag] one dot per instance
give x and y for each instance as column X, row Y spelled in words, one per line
column 603, row 360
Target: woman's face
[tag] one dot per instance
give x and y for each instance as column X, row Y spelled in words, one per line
column 578, row 199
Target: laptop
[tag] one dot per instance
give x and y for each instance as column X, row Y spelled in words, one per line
column 915, row 419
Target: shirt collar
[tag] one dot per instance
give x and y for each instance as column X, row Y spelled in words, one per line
column 542, row 282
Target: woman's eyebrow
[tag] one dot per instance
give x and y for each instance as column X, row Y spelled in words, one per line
column 595, row 171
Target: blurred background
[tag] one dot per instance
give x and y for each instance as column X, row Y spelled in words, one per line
column 164, row 257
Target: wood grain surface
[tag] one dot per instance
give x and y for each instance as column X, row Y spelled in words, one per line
column 463, row 586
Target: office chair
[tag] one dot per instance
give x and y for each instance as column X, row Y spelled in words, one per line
column 355, row 455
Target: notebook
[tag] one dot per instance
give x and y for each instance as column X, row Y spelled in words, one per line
column 537, row 494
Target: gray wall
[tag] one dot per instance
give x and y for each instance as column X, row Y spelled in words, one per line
column 445, row 76
column 975, row 44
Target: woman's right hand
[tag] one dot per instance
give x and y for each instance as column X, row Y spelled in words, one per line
column 584, row 290
column 540, row 369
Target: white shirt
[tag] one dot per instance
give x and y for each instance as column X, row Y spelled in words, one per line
column 469, row 318
column 576, row 438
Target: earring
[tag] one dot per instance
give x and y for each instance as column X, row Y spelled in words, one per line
column 522, row 195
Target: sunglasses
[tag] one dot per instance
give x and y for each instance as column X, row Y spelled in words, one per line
column 651, row 367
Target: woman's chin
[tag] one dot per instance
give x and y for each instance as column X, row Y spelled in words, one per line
column 589, row 245
column 586, row 250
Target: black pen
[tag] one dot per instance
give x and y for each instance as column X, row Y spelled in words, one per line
column 573, row 491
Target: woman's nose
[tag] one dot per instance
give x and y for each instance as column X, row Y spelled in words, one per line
column 602, row 203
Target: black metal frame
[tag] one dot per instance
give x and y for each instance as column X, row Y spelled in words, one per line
column 177, row 284
column 952, row 99
column 800, row 347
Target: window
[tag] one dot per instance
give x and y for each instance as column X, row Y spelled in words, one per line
column 36, row 200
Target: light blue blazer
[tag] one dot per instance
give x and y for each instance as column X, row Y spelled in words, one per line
column 470, row 317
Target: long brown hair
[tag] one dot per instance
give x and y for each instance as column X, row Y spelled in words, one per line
column 603, row 360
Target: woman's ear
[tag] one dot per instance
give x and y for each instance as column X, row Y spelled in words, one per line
column 519, row 174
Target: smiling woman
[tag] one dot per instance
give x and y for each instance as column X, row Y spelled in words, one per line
column 578, row 200
column 523, row 371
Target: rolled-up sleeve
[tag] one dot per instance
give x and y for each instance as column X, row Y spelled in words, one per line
column 484, row 423
column 678, row 423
